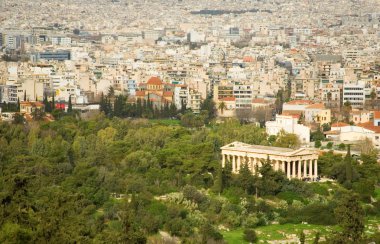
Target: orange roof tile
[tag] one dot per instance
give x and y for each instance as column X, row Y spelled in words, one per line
column 370, row 126
column 339, row 124
column 228, row 99
column 376, row 114
column 168, row 94
column 299, row 102
column 316, row 106
column 297, row 116
column 258, row 100
column 140, row 93
column 248, row 59
column 154, row 81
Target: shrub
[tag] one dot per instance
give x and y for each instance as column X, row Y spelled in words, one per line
column 191, row 193
column 342, row 146
column 317, row 144
column 289, row 196
column 329, row 145
column 319, row 189
column 250, row 235
column 251, row 221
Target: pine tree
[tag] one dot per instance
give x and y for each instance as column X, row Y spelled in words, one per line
column 245, row 179
column 350, row 217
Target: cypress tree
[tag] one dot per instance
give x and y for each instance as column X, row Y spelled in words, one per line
column 218, row 182
column 47, row 104
column 53, row 101
column 24, row 96
column 173, row 110
column 348, row 168
column 102, row 104
column 70, row 106
column 18, row 104
column 138, row 108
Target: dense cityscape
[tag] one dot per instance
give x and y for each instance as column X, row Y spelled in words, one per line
column 183, row 121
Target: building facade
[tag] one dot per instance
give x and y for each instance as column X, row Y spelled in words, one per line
column 296, row 164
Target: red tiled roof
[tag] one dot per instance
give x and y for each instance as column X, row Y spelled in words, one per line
column 331, row 132
column 258, row 100
column 299, row 102
column 376, row 114
column 370, row 126
column 154, row 81
column 339, row 124
column 33, row 104
column 248, row 59
column 228, row 99
column 168, row 94
column 316, row 105
column 140, row 93
column 294, row 115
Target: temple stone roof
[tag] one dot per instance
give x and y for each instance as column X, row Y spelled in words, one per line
column 240, row 146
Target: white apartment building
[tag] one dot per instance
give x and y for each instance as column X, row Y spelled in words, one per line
column 181, row 93
column 194, row 101
column 63, row 41
column 355, row 94
column 8, row 94
column 243, row 95
column 290, row 125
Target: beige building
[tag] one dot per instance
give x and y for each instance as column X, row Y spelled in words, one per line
column 295, row 163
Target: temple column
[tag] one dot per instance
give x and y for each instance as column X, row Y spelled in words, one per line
column 251, row 162
column 294, row 169
column 233, row 164
column 238, row 164
column 276, row 165
column 283, row 166
column 311, row 169
column 304, row 168
column 223, row 160
column 299, row 169
column 288, row 169
column 315, row 168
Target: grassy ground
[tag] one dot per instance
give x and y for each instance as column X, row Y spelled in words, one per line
column 291, row 231
column 377, row 192
column 278, row 232
column 166, row 121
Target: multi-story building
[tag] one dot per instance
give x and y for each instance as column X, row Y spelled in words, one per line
column 194, row 102
column 181, row 94
column 8, row 94
column 243, row 95
column 355, row 94
column 222, row 91
column 60, row 55
column 60, row 40
column 288, row 124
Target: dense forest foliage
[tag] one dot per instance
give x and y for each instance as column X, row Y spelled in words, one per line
column 111, row 180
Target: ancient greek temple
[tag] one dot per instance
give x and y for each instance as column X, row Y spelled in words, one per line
column 295, row 163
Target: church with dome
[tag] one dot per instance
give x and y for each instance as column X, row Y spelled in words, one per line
column 156, row 91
